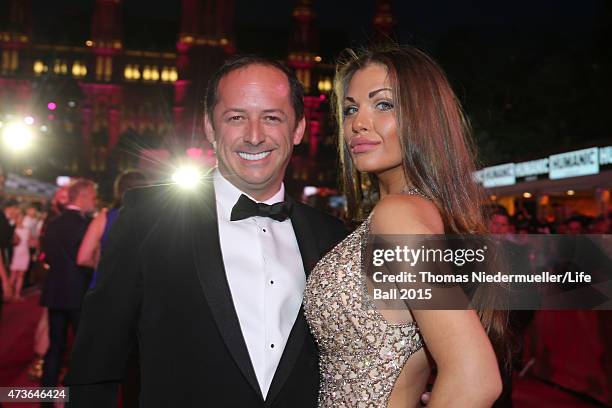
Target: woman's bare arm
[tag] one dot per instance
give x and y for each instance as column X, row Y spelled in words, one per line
column 468, row 373
column 89, row 251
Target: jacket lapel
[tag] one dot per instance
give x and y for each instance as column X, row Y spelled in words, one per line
column 306, row 237
column 310, row 256
column 211, row 273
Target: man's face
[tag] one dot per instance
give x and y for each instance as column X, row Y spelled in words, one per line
column 11, row 212
column 87, row 200
column 499, row 224
column 254, row 128
column 61, row 196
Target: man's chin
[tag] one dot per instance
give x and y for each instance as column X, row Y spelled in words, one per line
column 254, row 185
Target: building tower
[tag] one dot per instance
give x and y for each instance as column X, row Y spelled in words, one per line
column 15, row 36
column 383, row 22
column 302, row 58
column 101, row 90
column 303, row 43
column 205, row 41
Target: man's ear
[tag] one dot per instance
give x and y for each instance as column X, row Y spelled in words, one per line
column 298, row 133
column 209, row 129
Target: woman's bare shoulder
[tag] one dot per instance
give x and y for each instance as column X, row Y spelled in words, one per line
column 406, row 214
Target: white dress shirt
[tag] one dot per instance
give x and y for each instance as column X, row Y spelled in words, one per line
column 266, row 277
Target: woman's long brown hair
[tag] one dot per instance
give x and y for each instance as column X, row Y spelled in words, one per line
column 437, row 152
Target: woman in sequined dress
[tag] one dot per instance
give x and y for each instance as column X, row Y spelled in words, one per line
column 401, row 125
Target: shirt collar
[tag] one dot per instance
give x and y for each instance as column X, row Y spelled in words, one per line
column 73, row 207
column 227, row 194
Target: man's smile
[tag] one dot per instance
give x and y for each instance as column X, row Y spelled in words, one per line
column 254, row 156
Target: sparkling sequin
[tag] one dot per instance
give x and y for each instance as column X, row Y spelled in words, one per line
column 361, row 354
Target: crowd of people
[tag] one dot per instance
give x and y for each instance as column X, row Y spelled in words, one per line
column 57, row 249
column 501, row 222
column 20, row 228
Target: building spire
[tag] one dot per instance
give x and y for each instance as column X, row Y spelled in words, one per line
column 19, row 27
column 303, row 43
column 383, row 21
column 207, row 23
column 106, row 27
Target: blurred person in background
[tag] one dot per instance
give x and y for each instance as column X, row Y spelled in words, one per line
column 66, row 282
column 21, row 255
column 97, row 232
column 89, row 254
column 499, row 220
column 4, row 242
column 41, row 336
column 574, row 226
column 33, row 221
column 7, row 241
column 11, row 209
column 600, row 225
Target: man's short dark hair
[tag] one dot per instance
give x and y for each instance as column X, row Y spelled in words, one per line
column 236, row 63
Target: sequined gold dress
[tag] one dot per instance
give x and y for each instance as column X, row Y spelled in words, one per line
column 361, row 354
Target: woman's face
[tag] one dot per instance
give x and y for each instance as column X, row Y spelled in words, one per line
column 370, row 126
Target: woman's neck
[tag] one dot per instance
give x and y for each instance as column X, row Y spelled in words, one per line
column 392, row 181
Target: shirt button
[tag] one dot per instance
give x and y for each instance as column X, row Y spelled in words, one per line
column 272, row 345
column 263, row 229
column 271, row 282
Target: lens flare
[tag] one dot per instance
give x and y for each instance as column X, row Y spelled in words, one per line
column 187, row 177
column 17, row 136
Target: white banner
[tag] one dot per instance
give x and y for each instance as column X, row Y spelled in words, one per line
column 577, row 163
column 501, row 175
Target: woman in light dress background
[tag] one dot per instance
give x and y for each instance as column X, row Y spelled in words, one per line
column 402, row 131
column 21, row 256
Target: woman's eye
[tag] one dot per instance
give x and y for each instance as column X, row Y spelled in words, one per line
column 384, row 106
column 349, row 110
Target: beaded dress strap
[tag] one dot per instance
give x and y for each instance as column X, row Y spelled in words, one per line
column 415, row 191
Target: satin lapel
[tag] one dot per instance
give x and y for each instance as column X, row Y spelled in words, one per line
column 310, row 256
column 306, row 236
column 211, row 272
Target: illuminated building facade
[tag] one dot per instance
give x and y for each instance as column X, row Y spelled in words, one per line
column 98, row 105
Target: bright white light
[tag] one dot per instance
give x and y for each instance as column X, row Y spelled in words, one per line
column 17, row 136
column 310, row 190
column 187, row 176
column 28, row 120
column 43, row 128
column 61, row 181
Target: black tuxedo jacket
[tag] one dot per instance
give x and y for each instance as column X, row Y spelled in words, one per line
column 6, row 232
column 162, row 281
column 66, row 283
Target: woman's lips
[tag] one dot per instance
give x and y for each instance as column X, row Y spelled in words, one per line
column 363, row 147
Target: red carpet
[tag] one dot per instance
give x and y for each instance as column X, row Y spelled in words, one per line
column 17, row 326
column 19, row 322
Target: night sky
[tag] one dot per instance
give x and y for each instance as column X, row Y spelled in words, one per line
column 266, row 24
column 533, row 76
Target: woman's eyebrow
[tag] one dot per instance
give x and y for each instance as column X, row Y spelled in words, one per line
column 371, row 94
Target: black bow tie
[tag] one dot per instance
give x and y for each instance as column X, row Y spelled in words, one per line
column 246, row 208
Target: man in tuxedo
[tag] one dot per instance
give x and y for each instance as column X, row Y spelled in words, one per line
column 66, row 282
column 210, row 281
